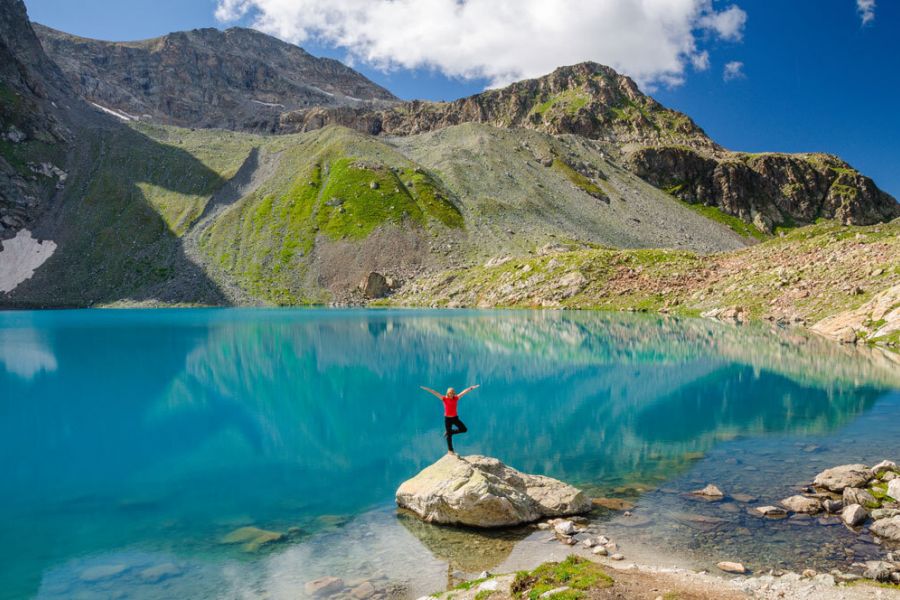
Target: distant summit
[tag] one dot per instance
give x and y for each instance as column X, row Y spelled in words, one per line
column 234, row 79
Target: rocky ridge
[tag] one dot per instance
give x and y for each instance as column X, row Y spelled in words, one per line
column 234, row 79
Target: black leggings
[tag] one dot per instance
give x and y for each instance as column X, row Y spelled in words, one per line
column 449, row 432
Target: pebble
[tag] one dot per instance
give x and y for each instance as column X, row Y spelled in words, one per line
column 617, row 556
column 564, row 528
column 600, row 551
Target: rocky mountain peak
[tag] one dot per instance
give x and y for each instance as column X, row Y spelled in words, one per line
column 235, row 79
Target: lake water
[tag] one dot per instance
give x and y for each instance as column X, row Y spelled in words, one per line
column 133, row 441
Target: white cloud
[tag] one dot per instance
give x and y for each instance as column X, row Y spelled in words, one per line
column 504, row 40
column 729, row 23
column 733, row 70
column 866, row 10
column 700, row 60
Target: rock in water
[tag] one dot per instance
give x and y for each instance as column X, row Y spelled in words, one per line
column 845, row 476
column 893, row 489
column 480, row 491
column 802, row 504
column 711, row 492
column 888, row 529
column 732, row 567
column 854, row 515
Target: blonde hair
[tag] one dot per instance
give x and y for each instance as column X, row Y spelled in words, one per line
column 450, row 392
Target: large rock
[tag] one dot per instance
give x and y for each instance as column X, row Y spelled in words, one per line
column 859, row 496
column 887, row 528
column 854, row 515
column 845, row 476
column 893, row 489
column 480, row 491
column 802, row 504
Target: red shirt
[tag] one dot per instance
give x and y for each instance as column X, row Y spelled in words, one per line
column 450, row 405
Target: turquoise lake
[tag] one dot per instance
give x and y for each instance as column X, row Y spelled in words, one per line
column 133, row 441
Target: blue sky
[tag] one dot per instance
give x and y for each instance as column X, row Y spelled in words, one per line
column 813, row 76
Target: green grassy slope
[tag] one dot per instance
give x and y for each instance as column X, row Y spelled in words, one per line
column 330, row 185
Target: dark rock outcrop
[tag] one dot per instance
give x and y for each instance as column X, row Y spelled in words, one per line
column 36, row 104
column 767, row 189
column 235, row 79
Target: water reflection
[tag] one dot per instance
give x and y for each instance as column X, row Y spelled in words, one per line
column 163, row 430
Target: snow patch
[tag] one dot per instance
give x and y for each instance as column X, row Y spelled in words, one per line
column 321, row 91
column 272, row 104
column 116, row 113
column 21, row 257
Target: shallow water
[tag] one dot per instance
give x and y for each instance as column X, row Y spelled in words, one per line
column 139, row 438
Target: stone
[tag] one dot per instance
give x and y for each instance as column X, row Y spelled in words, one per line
column 844, row 476
column 543, row 525
column 252, row 538
column 710, row 491
column 565, row 528
column 480, row 491
column 888, row 529
column 878, row 570
column 159, row 572
column 323, row 586
column 802, row 504
column 374, row 285
column 732, row 567
column 893, row 489
column 884, row 513
column 884, row 466
column 491, row 585
column 854, row 515
column 363, row 591
column 808, row 573
column 599, row 551
column 617, row 556
column 554, row 591
column 613, row 503
column 771, row 511
column 588, row 543
column 744, row 498
column 373, row 185
column 859, row 496
column 824, row 579
column 832, row 506
column 101, row 572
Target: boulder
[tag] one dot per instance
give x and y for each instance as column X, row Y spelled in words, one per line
column 845, row 476
column 802, row 504
column 374, row 285
column 884, row 466
column 711, row 492
column 893, row 489
column 878, row 570
column 888, row 529
column 480, row 491
column 884, row 513
column 860, row 496
column 771, row 511
column 832, row 506
column 854, row 515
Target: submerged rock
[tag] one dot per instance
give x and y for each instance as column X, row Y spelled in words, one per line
column 480, row 491
column 252, row 538
column 845, row 476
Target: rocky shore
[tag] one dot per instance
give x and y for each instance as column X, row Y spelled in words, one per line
column 865, row 499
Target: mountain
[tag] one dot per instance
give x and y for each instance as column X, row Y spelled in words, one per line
column 662, row 146
column 360, row 195
column 234, row 79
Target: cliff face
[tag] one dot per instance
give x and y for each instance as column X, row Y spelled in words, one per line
column 767, row 189
column 233, row 79
column 36, row 105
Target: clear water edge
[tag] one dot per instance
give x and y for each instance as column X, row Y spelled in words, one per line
column 140, row 438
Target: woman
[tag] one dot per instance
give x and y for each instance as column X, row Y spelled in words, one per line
column 451, row 418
